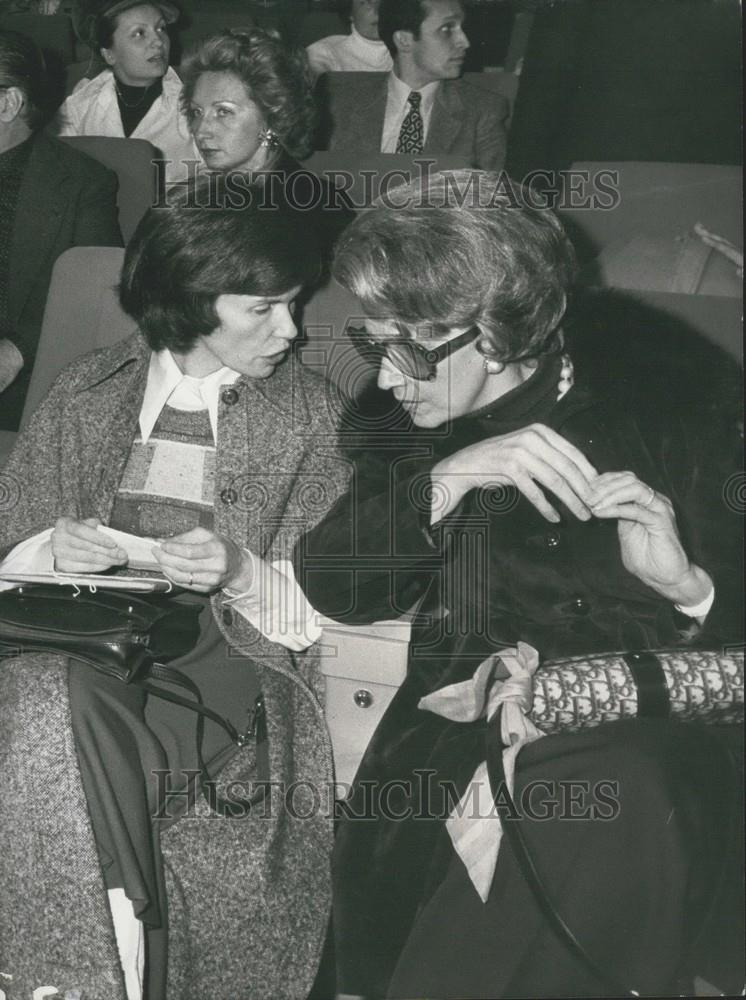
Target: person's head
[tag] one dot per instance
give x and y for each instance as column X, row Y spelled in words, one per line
column 246, row 94
column 130, row 35
column 219, row 284
column 25, row 98
column 425, row 38
column 454, row 258
column 364, row 16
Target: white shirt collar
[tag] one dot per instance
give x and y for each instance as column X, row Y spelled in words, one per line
column 168, row 384
column 399, row 92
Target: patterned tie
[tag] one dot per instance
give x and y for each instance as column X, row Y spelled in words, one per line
column 412, row 134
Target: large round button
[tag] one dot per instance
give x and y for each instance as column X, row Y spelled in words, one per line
column 229, row 496
column 227, row 616
column 580, row 606
column 230, row 397
column 363, row 698
column 552, row 539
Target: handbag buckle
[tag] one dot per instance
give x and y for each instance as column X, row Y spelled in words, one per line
column 256, row 715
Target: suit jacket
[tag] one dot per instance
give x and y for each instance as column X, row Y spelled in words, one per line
column 66, row 200
column 465, row 120
column 252, row 926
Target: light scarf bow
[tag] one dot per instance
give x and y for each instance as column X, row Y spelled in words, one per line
column 475, row 833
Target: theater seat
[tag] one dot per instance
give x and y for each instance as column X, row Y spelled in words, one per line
column 658, row 198
column 132, row 160
column 82, row 312
column 496, row 82
column 368, row 176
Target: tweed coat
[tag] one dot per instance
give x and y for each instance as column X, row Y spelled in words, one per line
column 66, row 200
column 466, row 121
column 254, row 932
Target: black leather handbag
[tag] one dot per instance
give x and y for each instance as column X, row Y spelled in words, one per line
column 118, row 633
column 125, row 636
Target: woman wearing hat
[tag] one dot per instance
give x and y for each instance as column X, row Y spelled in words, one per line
column 138, row 94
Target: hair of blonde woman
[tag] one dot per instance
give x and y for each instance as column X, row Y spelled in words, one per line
column 276, row 77
column 451, row 251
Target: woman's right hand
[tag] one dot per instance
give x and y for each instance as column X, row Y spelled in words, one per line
column 78, row 547
column 531, row 459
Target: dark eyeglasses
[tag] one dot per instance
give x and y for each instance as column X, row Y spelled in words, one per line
column 409, row 357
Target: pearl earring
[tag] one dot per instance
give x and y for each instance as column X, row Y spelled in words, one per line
column 489, row 362
column 269, row 138
column 567, row 376
column 492, row 366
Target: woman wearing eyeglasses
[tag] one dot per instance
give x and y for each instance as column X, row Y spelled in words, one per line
column 530, row 507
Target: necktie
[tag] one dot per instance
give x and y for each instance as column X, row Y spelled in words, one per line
column 412, row 134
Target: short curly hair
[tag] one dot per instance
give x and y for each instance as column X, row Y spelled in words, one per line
column 184, row 256
column 453, row 250
column 277, row 78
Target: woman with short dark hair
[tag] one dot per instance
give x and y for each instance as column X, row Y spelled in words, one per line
column 202, row 432
column 527, row 515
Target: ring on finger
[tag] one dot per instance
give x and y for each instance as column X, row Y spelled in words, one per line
column 650, row 498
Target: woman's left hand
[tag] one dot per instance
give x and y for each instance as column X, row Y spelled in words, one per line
column 201, row 560
column 648, row 536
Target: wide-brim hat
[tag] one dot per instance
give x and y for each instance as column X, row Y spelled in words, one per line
column 86, row 15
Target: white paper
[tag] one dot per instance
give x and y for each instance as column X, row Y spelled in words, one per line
column 139, row 550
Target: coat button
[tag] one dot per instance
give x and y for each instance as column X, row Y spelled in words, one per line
column 552, row 539
column 229, row 496
column 227, row 616
column 579, row 606
column 230, row 397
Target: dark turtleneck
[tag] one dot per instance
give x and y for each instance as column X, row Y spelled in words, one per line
column 135, row 102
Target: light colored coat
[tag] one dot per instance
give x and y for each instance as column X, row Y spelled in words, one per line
column 248, row 898
column 92, row 109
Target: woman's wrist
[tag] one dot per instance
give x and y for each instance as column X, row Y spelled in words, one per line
column 448, row 488
column 691, row 590
column 241, row 581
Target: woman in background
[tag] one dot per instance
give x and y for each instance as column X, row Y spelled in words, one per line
column 361, row 50
column 137, row 95
column 250, row 107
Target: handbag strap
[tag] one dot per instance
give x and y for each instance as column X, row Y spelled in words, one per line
column 511, row 823
column 653, row 699
column 235, row 807
column 228, row 808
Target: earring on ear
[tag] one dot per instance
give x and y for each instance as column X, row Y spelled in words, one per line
column 493, row 367
column 269, row 138
column 489, row 362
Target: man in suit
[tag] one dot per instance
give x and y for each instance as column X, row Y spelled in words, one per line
column 421, row 106
column 51, row 198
